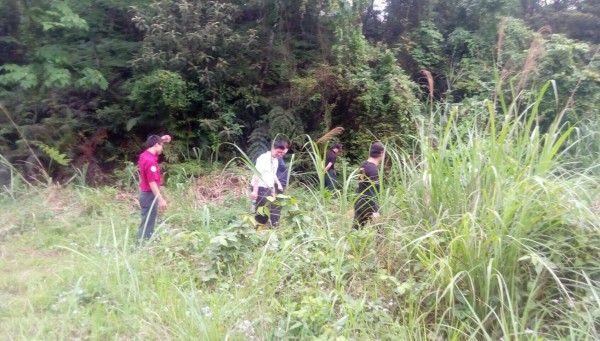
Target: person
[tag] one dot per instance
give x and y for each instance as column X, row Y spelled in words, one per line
column 330, row 159
column 265, row 181
column 282, row 176
column 366, row 207
column 150, row 197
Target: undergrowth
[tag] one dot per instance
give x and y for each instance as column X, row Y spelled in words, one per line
column 488, row 232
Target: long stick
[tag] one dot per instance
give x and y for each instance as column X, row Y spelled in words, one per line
column 24, row 140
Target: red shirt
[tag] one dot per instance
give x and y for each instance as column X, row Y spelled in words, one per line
column 149, row 170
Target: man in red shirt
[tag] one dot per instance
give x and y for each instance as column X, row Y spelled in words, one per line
column 150, row 197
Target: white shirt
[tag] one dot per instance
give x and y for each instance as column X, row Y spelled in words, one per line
column 266, row 166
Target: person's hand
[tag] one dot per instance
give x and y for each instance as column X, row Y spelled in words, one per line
column 162, row 204
column 166, row 138
column 254, row 195
column 375, row 216
column 280, row 188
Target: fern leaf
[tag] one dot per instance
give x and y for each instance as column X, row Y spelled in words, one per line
column 92, row 78
column 23, row 76
column 258, row 140
column 284, row 122
column 53, row 153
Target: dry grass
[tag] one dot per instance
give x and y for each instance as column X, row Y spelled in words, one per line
column 128, row 198
column 330, row 135
column 429, row 79
column 536, row 50
column 214, row 189
column 58, row 199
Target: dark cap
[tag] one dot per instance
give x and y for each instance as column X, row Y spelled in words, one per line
column 152, row 140
column 376, row 150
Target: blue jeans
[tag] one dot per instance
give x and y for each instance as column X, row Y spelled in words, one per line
column 330, row 179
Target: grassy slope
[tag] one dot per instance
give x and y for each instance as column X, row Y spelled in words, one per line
column 481, row 239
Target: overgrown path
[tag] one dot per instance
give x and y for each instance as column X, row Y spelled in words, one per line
column 28, row 270
column 49, row 238
column 504, row 253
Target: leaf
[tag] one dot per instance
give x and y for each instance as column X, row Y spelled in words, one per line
column 54, row 154
column 131, row 123
column 403, row 288
column 209, row 275
column 263, row 210
column 296, row 325
column 22, row 76
column 63, row 17
column 56, row 77
column 54, row 54
column 209, row 124
column 92, row 78
column 219, row 240
column 339, row 324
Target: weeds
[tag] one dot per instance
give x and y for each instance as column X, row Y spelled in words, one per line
column 489, row 231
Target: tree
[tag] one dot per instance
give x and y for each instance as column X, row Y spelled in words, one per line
column 60, row 67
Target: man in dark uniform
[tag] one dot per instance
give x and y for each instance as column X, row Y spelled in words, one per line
column 330, row 159
column 150, row 197
column 366, row 207
column 282, row 175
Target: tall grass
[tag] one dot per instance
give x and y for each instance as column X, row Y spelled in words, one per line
column 502, row 229
column 488, row 232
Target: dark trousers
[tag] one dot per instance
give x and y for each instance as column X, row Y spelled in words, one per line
column 149, row 209
column 363, row 211
column 275, row 209
column 330, row 179
column 261, row 201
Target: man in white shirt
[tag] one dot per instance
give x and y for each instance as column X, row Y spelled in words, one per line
column 265, row 181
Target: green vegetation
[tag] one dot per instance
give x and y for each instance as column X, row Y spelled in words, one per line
column 90, row 80
column 488, row 232
column 490, row 204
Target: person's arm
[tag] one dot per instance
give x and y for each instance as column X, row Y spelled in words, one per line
column 328, row 166
column 254, row 183
column 156, row 191
column 375, row 205
column 256, row 178
column 282, row 173
column 278, row 184
column 374, row 179
column 166, row 138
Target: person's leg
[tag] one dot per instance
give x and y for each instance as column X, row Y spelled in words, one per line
column 330, row 180
column 261, row 201
column 275, row 210
column 149, row 208
column 362, row 213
